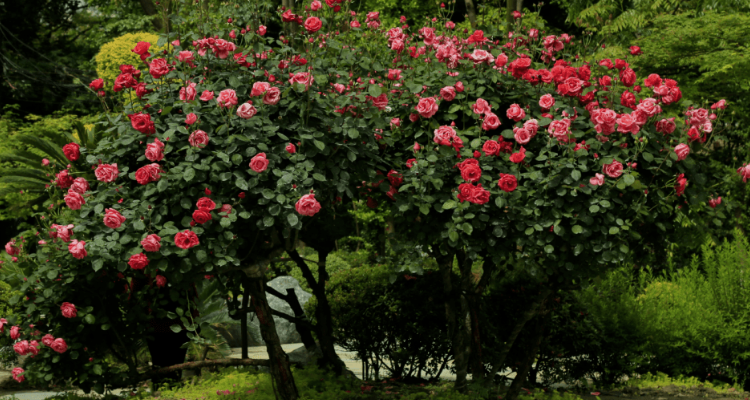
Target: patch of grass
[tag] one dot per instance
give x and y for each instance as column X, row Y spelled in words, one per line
column 661, row 380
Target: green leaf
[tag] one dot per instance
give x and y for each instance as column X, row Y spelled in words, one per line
column 225, row 222
column 374, row 90
column 268, row 221
column 453, row 236
column 189, row 174
column 614, row 230
column 577, row 229
column 292, row 219
column 319, row 177
column 529, row 230
column 576, row 174
column 162, row 185
column 467, row 228
column 201, row 255
column 97, row 264
column 624, row 248
column 648, row 156
column 186, row 203
column 89, row 318
column 449, row 204
column 176, row 328
column 500, row 201
column 240, row 183
column 629, row 179
column 549, row 249
column 594, row 208
column 97, row 369
column 320, row 145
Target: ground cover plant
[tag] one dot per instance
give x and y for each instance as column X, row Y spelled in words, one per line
column 232, row 146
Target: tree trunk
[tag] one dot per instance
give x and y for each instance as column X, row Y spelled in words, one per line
column 519, row 5
column 150, row 9
column 279, row 362
column 459, row 321
column 304, row 331
column 472, row 13
column 243, row 323
column 510, row 5
column 523, row 371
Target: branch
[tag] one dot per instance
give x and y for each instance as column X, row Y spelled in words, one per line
column 225, row 362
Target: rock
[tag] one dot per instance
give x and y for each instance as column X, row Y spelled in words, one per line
column 304, row 356
column 285, row 329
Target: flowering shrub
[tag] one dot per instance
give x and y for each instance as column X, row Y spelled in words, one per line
column 233, row 143
column 120, row 52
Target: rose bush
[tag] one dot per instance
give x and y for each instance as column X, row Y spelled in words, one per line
column 483, row 148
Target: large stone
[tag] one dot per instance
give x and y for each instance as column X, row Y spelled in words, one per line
column 285, row 329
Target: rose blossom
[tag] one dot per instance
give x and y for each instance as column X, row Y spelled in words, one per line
column 161, row 281
column 72, row 151
column 198, row 138
column 158, row 68
column 246, row 110
column 303, row 78
column 290, row 148
column 259, row 88
column 207, row 95
column 191, row 119
column 507, row 182
column 68, row 310
column 272, row 96
column 546, row 102
column 682, row 150
column 491, row 148
column 15, row 332
column 515, row 112
column 148, row 173
column 307, row 205
column 106, row 172
column 205, row 204
column 77, row 249
column 59, row 345
column 471, row 172
column 627, row 123
column 138, row 261
column 48, row 339
column 427, row 107
column 597, row 180
column 448, row 93
column 560, row 129
column 532, row 126
column 744, row 172
column 518, row 156
column 155, row 150
column 490, row 122
column 313, row 24
column 17, row 374
column 649, row 107
column 74, row 200
column 186, row 239
column 521, row 135
column 21, row 348
column 613, row 169
column 227, row 98
column 113, row 219
column 201, row 216
column 80, row 185
column 666, row 126
column 481, row 107
column 63, row 180
column 63, row 232
column 259, row 162
column 443, row 135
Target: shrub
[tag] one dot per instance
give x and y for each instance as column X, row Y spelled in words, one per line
column 397, row 325
column 118, row 52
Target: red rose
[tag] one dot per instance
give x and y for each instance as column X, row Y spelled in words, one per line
column 272, row 96
column 471, row 173
column 628, row 99
column 158, row 68
column 161, row 281
column 627, row 77
column 490, row 122
column 154, row 151
column 410, row 162
column 151, row 243
column 395, row 178
column 59, row 345
column 77, row 249
column 142, row 123
column 546, row 102
column 613, row 169
column 290, row 148
column 206, row 204
column 308, row 206
column 148, row 173
column 68, row 310
column 519, row 156
column 138, row 261
column 63, row 180
column 201, row 216
column 74, row 200
column 313, row 24
column 507, row 182
column 680, row 184
column 97, row 84
column 190, row 119
column 427, row 107
column 481, row 107
column 491, row 148
column 141, row 48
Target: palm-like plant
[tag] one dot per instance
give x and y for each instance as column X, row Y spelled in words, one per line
column 28, row 175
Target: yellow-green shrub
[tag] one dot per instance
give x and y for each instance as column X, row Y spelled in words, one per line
column 118, row 52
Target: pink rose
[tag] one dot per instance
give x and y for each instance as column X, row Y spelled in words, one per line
column 68, row 310
column 198, row 138
column 307, row 205
column 106, row 172
column 272, row 96
column 227, row 98
column 303, row 78
column 515, row 112
column 261, row 30
column 481, row 57
column 77, row 249
column 48, row 339
column 597, row 180
column 45, row 162
column 138, row 261
column 259, row 162
column 444, row 135
column 148, row 173
column 394, row 74
column 682, row 150
column 427, row 107
column 186, row 239
column 59, row 345
column 613, row 169
column 21, row 348
column 63, row 232
column 546, row 102
column 521, row 135
column 560, row 129
column 532, row 126
column 481, row 107
column 155, row 150
column 207, row 95
column 290, row 148
column 17, row 374
column 151, row 243
column 188, row 93
column 3, row 322
column 501, row 60
column 246, row 110
column 491, row 148
column 161, row 281
column 448, row 93
column 63, row 179
column 191, row 119
column 15, row 333
column 627, row 123
column 112, row 218
column 74, row 200
column 259, row 88
column 80, row 185
column 649, row 107
column 490, row 122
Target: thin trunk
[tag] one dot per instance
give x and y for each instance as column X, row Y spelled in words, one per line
column 510, row 5
column 523, row 371
column 529, row 314
column 224, row 362
column 150, row 9
column 243, row 324
column 457, row 316
column 279, row 362
column 519, row 5
column 304, row 330
column 472, row 13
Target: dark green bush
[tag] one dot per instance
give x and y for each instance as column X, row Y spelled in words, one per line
column 398, row 327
